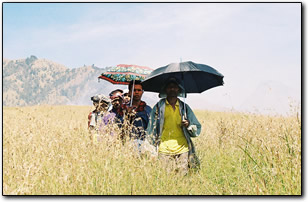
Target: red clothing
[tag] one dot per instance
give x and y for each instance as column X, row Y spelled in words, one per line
column 142, row 111
column 89, row 118
column 140, row 108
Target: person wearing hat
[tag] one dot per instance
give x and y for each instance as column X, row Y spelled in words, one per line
column 171, row 128
column 101, row 104
column 100, row 117
column 116, row 97
column 126, row 97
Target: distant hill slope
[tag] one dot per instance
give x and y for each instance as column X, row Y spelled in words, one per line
column 34, row 81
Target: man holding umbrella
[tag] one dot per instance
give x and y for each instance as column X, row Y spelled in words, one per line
column 171, row 127
column 166, row 129
column 137, row 112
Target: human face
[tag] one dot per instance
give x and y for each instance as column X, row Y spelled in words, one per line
column 126, row 98
column 172, row 90
column 137, row 93
column 116, row 102
column 103, row 107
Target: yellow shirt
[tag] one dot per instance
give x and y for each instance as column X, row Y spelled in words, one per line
column 173, row 140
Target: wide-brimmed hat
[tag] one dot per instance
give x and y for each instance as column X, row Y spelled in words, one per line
column 116, row 90
column 101, row 98
column 113, row 95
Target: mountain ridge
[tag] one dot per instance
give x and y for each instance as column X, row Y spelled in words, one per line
column 34, row 81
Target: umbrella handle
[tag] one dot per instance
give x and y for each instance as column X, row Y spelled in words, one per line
column 131, row 98
column 184, row 114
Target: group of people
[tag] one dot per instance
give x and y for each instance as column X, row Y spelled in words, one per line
column 168, row 127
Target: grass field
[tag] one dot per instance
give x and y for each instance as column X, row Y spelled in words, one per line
column 47, row 151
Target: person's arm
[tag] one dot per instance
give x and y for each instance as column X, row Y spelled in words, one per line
column 194, row 128
column 146, row 117
column 92, row 122
column 151, row 130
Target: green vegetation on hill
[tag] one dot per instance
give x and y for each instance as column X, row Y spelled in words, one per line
column 34, row 81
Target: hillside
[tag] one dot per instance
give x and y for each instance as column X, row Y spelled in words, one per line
column 34, row 81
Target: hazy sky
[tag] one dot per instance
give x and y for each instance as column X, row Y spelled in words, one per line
column 251, row 44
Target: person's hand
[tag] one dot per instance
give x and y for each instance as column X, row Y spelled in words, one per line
column 131, row 110
column 185, row 123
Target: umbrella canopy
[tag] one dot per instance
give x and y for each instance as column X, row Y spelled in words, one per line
column 123, row 74
column 194, row 77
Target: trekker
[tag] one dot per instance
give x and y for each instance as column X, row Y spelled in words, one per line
column 138, row 113
column 116, row 97
column 170, row 129
column 126, row 96
column 101, row 104
column 100, row 117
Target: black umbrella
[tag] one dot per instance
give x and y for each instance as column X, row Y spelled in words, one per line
column 194, row 77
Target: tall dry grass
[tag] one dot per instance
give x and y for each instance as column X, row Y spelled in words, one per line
column 47, row 151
